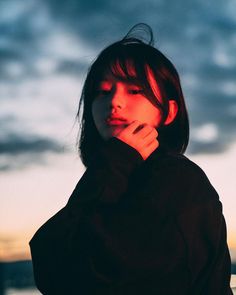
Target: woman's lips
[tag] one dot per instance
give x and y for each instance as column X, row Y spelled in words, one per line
column 116, row 121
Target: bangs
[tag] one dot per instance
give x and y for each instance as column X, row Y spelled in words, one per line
column 125, row 70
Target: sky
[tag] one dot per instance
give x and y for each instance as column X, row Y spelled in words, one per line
column 46, row 48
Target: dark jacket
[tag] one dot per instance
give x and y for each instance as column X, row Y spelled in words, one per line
column 135, row 227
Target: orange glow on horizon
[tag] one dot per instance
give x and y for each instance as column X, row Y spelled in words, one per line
column 16, row 247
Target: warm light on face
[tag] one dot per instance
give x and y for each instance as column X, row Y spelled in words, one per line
column 124, row 102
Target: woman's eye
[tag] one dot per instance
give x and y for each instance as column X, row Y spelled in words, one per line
column 135, row 91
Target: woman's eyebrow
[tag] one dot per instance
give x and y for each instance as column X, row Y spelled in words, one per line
column 104, row 81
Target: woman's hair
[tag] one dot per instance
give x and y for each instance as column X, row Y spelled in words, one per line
column 123, row 58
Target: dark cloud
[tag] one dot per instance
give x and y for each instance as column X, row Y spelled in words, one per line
column 9, row 54
column 213, row 73
column 17, row 152
column 71, row 67
column 196, row 147
column 16, row 144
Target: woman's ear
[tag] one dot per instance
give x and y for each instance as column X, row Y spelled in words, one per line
column 173, row 110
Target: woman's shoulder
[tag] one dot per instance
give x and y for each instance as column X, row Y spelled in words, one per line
column 185, row 165
column 177, row 162
column 189, row 170
column 184, row 179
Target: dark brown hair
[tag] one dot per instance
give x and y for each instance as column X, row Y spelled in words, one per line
column 115, row 58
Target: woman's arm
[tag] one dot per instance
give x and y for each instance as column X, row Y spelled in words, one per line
column 203, row 228
column 62, row 241
column 107, row 176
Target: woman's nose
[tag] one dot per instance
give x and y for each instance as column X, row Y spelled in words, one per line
column 117, row 99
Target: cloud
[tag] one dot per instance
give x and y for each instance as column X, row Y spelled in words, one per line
column 17, row 152
column 43, row 40
column 71, row 67
column 213, row 147
column 16, row 144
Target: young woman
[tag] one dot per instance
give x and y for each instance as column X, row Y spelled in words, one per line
column 143, row 219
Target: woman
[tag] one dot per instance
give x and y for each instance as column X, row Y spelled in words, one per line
column 143, row 219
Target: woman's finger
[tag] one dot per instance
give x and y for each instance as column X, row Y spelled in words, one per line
column 149, row 149
column 132, row 126
column 151, row 136
column 147, row 131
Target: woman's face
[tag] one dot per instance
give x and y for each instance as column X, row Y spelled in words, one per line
column 119, row 103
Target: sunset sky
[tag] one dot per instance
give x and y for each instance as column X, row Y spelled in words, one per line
column 45, row 50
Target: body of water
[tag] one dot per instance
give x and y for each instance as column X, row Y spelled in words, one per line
column 22, row 292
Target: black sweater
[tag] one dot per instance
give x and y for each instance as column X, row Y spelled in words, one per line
column 135, row 227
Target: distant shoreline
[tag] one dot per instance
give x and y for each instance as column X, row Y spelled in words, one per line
column 17, row 276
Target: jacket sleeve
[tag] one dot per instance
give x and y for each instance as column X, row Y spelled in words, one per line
column 107, row 176
column 203, row 229
column 57, row 244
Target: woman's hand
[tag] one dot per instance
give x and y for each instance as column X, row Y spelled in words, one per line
column 141, row 137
